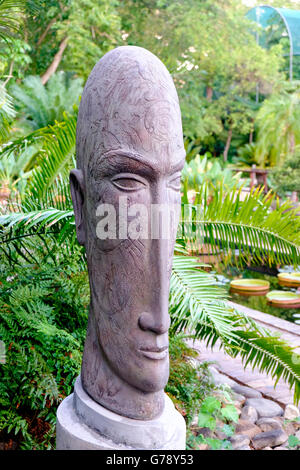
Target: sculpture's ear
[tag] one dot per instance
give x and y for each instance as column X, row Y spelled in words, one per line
column 77, row 193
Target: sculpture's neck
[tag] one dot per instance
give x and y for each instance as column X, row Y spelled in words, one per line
column 108, row 389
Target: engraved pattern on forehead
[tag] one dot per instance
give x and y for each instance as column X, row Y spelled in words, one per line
column 133, row 105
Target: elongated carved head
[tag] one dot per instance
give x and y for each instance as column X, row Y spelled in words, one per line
column 126, row 197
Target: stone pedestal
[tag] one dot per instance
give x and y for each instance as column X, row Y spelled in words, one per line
column 83, row 424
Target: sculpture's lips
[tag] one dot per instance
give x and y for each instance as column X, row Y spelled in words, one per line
column 155, row 353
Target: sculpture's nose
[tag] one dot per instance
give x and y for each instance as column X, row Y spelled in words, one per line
column 157, row 323
column 156, row 315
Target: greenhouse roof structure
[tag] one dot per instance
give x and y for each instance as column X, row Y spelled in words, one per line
column 278, row 24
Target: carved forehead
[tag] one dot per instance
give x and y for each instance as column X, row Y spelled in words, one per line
column 129, row 103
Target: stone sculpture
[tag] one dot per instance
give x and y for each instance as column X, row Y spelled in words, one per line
column 129, row 148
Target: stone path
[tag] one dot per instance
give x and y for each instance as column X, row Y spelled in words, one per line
column 234, row 369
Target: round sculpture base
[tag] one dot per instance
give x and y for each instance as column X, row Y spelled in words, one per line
column 83, row 424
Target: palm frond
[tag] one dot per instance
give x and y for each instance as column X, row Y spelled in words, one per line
column 7, row 112
column 199, row 307
column 257, row 227
column 10, row 18
column 57, row 153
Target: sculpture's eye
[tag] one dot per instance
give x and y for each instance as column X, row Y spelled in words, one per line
column 128, row 182
column 175, row 182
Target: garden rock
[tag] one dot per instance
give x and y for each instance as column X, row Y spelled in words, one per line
column 265, row 408
column 249, row 414
column 206, row 432
column 268, row 424
column 194, row 422
column 218, row 378
column 243, row 448
column 246, row 391
column 288, row 427
column 247, row 428
column 238, row 399
column 291, row 412
column 219, row 434
column 203, row 446
column 273, row 438
column 239, row 440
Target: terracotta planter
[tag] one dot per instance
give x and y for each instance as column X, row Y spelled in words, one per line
column 250, row 286
column 283, row 299
column 247, row 293
column 289, row 279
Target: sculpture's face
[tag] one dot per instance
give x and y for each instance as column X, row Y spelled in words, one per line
column 137, row 159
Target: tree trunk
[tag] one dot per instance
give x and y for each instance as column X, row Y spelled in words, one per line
column 55, row 63
column 44, row 34
column 209, row 93
column 251, row 137
column 227, row 146
column 291, row 143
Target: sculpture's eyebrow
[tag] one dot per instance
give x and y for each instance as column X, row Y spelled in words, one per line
column 155, row 166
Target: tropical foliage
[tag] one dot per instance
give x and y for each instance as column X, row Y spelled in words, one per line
column 47, row 51
column 43, row 105
column 260, row 227
column 279, row 126
column 286, row 176
column 196, row 303
column 43, row 316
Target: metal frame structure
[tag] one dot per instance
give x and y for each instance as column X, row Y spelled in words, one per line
column 279, row 12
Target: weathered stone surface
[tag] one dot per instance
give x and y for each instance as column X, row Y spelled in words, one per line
column 239, row 440
column 268, row 424
column 247, row 392
column 291, row 412
column 247, row 428
column 281, row 448
column 265, row 408
column 273, row 438
column 243, row 448
column 128, row 120
column 249, row 414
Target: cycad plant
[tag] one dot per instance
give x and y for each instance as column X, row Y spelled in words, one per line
column 43, row 105
column 43, row 219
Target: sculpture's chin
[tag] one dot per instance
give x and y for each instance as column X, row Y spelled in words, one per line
column 154, row 385
column 149, row 377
